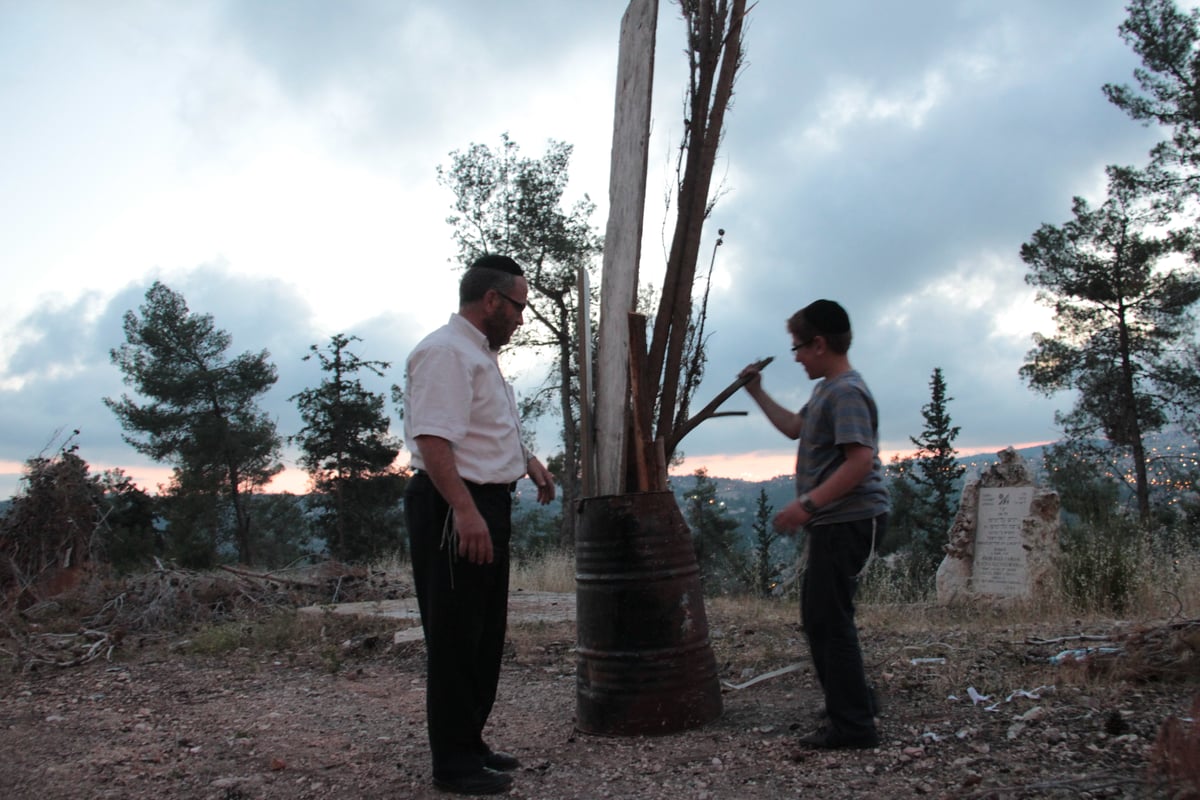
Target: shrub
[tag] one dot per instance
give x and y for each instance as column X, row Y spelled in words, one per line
column 1099, row 566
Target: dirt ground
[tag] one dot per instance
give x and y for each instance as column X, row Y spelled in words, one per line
column 340, row 714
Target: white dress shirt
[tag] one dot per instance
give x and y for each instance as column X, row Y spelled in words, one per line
column 453, row 389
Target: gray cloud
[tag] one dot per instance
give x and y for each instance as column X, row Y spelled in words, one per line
column 893, row 156
column 65, row 370
column 895, row 197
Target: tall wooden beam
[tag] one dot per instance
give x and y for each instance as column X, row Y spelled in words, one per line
column 623, row 237
column 587, row 434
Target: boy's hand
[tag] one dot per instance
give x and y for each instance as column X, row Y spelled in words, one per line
column 791, row 518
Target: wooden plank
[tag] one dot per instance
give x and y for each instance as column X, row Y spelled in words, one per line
column 623, row 237
column 587, row 431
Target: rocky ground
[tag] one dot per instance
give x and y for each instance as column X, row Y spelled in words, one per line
column 321, row 707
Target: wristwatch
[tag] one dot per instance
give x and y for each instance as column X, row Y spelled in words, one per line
column 807, row 504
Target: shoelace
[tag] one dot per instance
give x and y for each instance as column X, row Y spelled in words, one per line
column 871, row 554
column 450, row 542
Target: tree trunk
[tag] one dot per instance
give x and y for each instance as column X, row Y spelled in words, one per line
column 1129, row 412
column 241, row 518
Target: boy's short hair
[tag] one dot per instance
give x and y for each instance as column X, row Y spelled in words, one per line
column 823, row 318
column 487, row 272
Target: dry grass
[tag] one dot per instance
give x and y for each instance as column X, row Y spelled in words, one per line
column 553, row 572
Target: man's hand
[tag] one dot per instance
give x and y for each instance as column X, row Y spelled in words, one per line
column 474, row 539
column 541, row 478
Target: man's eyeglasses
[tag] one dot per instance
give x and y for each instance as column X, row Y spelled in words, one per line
column 520, row 307
column 801, row 345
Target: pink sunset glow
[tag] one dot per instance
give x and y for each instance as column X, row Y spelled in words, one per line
column 756, row 466
column 762, row 465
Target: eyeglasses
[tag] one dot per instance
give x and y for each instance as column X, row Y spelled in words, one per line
column 803, row 344
column 520, row 307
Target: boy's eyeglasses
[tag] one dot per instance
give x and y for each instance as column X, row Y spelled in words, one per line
column 803, row 344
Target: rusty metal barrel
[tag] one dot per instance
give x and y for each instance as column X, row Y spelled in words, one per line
column 645, row 665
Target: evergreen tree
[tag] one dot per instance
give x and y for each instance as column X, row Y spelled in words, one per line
column 129, row 539
column 904, row 496
column 1086, row 487
column 721, row 566
column 202, row 414
column 350, row 456
column 935, row 477
column 1125, row 332
column 1166, row 38
column 765, row 577
column 284, row 528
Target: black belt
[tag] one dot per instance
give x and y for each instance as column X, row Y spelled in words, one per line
column 508, row 487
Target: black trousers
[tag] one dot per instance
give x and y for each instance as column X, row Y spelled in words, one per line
column 464, row 612
column 836, row 555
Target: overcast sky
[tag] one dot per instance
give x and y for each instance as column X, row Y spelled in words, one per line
column 275, row 162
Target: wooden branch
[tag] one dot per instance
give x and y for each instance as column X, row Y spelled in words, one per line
column 660, row 465
column 643, row 459
column 711, row 409
column 715, row 53
column 267, row 576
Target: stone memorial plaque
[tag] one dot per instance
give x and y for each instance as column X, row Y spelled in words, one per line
column 1000, row 566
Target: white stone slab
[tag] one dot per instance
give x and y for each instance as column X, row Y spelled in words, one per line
column 1001, row 563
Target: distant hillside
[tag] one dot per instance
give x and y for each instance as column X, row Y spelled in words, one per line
column 741, row 497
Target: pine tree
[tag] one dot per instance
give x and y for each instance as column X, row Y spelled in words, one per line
column 349, row 455
column 935, row 475
column 764, row 576
column 201, row 413
column 721, row 566
column 1125, row 331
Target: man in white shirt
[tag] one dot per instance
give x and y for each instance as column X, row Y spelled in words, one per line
column 460, row 416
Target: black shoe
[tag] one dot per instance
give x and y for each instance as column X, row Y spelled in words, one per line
column 486, row 781
column 828, row 739
column 503, row 762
